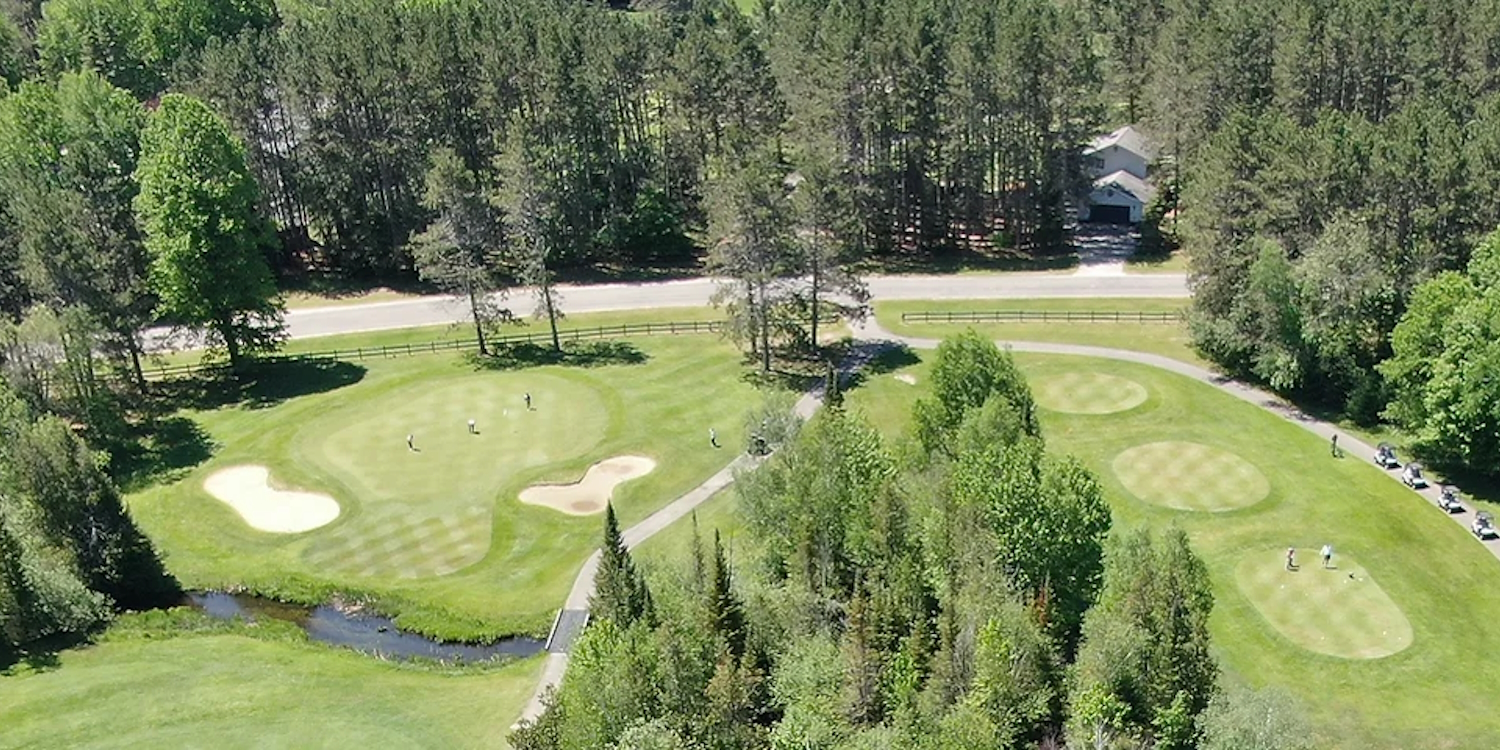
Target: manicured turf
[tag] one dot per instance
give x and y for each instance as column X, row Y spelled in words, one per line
column 1439, row 691
column 1088, row 393
column 233, row 691
column 439, row 537
column 1339, row 611
column 1190, row 476
column 1167, row 339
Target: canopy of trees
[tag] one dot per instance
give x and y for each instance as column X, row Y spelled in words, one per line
column 898, row 596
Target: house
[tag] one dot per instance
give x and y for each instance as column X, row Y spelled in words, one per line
column 1124, row 150
column 1118, row 198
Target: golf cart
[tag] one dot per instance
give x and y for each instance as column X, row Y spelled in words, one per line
column 1412, row 476
column 1484, row 525
column 1448, row 499
column 1385, row 456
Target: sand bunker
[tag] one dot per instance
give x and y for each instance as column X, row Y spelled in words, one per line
column 906, row 378
column 247, row 489
column 590, row 494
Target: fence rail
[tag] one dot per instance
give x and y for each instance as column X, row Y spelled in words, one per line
column 166, row 372
column 1043, row 316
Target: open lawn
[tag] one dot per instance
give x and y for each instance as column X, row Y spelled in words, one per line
column 228, row 690
column 1404, row 655
column 437, row 535
column 1167, row 339
column 1175, row 263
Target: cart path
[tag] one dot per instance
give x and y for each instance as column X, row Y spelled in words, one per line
column 574, row 615
column 873, row 337
column 1351, row 445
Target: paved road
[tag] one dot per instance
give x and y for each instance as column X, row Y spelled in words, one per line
column 326, row 321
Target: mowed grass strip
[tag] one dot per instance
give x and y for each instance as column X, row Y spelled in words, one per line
column 1340, row 611
column 1167, row 339
column 1089, row 393
column 1437, row 692
column 232, row 691
column 438, row 537
column 1190, row 476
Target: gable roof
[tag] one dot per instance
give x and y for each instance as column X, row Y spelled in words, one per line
column 1127, row 138
column 1128, row 183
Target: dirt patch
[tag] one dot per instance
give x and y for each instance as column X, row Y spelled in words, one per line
column 590, row 494
column 906, row 378
column 248, row 490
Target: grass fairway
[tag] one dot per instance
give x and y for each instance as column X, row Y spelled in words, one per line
column 1190, row 476
column 232, row 691
column 1437, row 692
column 1167, row 339
column 1340, row 611
column 438, row 535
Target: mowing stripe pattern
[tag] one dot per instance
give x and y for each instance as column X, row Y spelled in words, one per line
column 1341, row 612
column 1190, row 476
column 1088, row 393
column 401, row 545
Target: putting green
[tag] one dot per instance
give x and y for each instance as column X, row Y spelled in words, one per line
column 1088, row 393
column 1190, row 476
column 427, row 511
column 1339, row 612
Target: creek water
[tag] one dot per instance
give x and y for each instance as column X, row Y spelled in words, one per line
column 371, row 634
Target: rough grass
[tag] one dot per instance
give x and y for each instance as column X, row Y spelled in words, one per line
column 1190, row 476
column 1089, row 393
column 1438, row 692
column 411, row 517
column 1167, row 339
column 1339, row 611
column 227, row 690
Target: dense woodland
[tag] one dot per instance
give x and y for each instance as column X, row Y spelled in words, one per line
column 959, row 588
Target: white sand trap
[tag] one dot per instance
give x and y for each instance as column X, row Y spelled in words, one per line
column 248, row 490
column 906, row 378
column 590, row 494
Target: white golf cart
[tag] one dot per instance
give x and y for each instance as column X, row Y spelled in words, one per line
column 1412, row 476
column 1448, row 499
column 1385, row 456
column 1484, row 525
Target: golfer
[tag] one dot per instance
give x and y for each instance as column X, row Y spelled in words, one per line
column 1333, row 446
column 713, row 437
column 409, row 439
column 471, row 427
column 1327, row 555
column 528, row 401
column 1291, row 558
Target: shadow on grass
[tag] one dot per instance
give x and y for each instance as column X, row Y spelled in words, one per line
column 38, row 656
column 260, row 385
column 338, row 286
column 159, row 450
column 573, row 354
column 968, row 260
column 868, row 359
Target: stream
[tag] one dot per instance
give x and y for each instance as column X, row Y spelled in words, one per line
column 368, row 633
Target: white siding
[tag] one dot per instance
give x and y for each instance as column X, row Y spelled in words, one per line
column 1113, row 159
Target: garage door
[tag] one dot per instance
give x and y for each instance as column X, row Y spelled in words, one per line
column 1110, row 214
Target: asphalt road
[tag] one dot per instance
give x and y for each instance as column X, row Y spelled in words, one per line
column 327, row 321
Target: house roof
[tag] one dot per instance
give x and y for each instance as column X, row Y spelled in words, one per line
column 1128, row 183
column 1127, row 138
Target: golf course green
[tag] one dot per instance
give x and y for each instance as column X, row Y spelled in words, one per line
column 1396, row 657
column 434, row 533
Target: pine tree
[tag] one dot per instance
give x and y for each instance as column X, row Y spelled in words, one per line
column 725, row 609
column 620, row 592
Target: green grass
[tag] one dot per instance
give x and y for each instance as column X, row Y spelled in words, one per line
column 1339, row 611
column 438, row 538
column 1167, row 339
column 1437, row 692
column 1190, row 476
column 1177, row 262
column 230, row 690
column 1089, row 393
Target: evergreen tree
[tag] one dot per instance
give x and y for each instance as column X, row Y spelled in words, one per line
column 620, row 593
column 726, row 612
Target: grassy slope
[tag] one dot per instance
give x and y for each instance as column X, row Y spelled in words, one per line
column 227, row 690
column 1166, row 339
column 661, row 408
column 1438, row 692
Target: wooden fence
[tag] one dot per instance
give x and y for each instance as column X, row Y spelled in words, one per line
column 1044, row 316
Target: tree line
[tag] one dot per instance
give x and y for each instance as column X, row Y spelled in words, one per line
column 960, row 589
column 1323, row 160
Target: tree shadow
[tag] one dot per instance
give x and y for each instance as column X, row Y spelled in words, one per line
column 260, row 385
column 573, row 354
column 159, row 450
column 867, row 359
column 40, row 655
